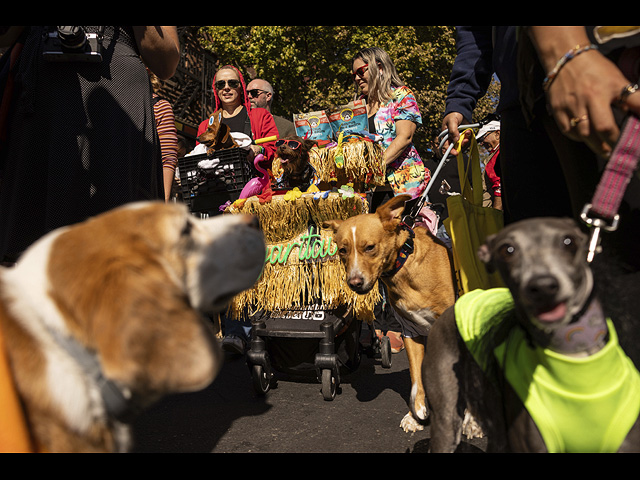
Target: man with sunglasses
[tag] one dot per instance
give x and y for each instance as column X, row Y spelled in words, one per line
column 261, row 96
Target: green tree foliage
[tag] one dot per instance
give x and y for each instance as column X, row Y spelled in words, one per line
column 310, row 66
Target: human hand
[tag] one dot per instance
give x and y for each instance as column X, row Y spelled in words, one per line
column 451, row 122
column 582, row 93
column 581, row 100
column 253, row 151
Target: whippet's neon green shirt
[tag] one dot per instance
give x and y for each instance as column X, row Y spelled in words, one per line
column 579, row 404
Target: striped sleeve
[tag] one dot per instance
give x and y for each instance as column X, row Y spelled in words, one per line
column 167, row 132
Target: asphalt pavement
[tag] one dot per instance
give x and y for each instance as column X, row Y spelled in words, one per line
column 293, row 417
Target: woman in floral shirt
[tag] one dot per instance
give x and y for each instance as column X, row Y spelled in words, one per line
column 394, row 115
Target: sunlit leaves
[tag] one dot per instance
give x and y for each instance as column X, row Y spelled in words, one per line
column 310, row 66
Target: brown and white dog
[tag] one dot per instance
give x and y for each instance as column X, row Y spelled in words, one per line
column 420, row 289
column 105, row 317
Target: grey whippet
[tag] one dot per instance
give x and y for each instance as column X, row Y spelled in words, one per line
column 547, row 342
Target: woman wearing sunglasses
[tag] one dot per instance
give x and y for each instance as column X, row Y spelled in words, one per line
column 231, row 96
column 394, row 115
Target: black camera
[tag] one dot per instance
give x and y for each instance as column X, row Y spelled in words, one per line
column 72, row 44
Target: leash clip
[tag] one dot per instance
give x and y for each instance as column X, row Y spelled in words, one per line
column 407, row 224
column 598, row 224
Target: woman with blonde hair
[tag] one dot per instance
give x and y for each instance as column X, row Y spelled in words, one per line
column 394, row 115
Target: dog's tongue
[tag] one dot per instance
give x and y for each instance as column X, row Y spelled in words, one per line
column 556, row 313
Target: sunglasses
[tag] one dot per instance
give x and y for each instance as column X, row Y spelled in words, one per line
column 220, row 84
column 361, row 71
column 255, row 92
column 293, row 144
column 484, row 143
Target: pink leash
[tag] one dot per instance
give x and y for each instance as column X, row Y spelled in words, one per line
column 602, row 213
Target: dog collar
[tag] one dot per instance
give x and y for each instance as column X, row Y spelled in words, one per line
column 404, row 252
column 587, row 333
column 117, row 401
column 307, row 178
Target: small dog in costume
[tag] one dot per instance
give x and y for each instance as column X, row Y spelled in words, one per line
column 217, row 136
column 537, row 365
column 293, row 154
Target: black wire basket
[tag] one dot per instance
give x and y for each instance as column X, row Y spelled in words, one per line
column 206, row 183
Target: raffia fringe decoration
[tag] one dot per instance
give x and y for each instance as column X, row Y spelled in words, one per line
column 299, row 282
column 293, row 286
column 363, row 161
column 280, row 219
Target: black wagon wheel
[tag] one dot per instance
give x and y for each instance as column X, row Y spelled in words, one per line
column 261, row 379
column 329, row 386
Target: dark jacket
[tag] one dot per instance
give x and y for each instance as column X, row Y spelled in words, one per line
column 482, row 52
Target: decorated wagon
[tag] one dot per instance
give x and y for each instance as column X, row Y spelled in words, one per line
column 304, row 317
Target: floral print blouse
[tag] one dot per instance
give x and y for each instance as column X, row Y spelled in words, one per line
column 407, row 174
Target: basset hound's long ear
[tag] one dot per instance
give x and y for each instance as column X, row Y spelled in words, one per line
column 161, row 343
column 224, row 139
column 118, row 302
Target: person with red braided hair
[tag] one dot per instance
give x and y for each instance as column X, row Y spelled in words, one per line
column 231, row 97
column 230, row 93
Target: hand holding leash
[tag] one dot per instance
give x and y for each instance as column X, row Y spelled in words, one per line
column 582, row 85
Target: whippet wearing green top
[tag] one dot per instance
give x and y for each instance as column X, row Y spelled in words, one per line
column 538, row 365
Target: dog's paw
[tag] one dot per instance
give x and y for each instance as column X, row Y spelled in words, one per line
column 470, row 427
column 421, row 413
column 410, row 425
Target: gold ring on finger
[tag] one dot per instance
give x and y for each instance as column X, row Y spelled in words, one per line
column 576, row 120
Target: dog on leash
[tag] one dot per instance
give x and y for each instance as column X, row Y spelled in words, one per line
column 538, row 364
column 416, row 269
column 217, row 136
column 297, row 171
column 103, row 318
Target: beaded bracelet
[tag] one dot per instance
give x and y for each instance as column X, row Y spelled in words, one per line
column 571, row 54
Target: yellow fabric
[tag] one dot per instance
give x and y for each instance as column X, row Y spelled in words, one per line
column 585, row 404
column 469, row 224
column 479, row 312
column 580, row 405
